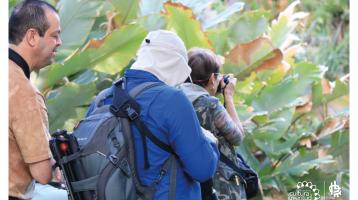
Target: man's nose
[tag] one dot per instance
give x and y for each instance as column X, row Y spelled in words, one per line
column 59, row 41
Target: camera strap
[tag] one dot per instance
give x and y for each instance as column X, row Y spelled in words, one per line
column 16, row 58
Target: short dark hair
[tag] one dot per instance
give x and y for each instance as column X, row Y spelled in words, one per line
column 203, row 62
column 26, row 15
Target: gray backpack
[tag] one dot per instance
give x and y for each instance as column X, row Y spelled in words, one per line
column 104, row 162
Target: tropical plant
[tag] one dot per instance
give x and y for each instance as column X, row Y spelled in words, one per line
column 296, row 120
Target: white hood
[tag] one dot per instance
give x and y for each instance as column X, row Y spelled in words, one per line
column 163, row 54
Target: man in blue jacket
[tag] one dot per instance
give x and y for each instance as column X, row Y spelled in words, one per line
column 170, row 116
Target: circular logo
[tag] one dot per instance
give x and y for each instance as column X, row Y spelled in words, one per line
column 305, row 191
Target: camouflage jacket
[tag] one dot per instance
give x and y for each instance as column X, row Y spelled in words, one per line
column 214, row 117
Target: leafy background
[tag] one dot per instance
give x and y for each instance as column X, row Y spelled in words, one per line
column 291, row 59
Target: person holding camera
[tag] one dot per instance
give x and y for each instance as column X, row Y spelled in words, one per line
column 165, row 110
column 222, row 121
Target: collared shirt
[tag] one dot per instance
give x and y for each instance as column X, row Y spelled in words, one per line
column 171, row 118
column 28, row 132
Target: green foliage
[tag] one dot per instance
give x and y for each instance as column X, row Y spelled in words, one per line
column 127, row 11
column 224, row 16
column 249, row 26
column 124, row 41
column 295, row 119
column 77, row 18
column 181, row 20
column 63, row 102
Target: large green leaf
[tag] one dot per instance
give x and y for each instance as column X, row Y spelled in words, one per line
column 148, row 7
column 275, row 127
column 282, row 28
column 340, row 89
column 258, row 54
column 216, row 38
column 77, row 18
column 276, row 148
column 127, row 10
column 124, row 41
column 183, row 22
column 198, row 6
column 249, row 26
column 287, row 92
column 153, row 22
column 223, row 16
column 298, row 165
column 115, row 63
column 62, row 103
column 245, row 151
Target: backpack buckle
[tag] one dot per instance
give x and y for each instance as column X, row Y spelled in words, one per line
column 113, row 159
column 132, row 114
column 114, row 109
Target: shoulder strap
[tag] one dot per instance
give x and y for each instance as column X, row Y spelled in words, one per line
column 233, row 166
column 142, row 87
column 124, row 105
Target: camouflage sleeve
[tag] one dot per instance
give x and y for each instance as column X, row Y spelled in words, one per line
column 225, row 125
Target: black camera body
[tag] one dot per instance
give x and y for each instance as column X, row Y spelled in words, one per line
column 226, row 81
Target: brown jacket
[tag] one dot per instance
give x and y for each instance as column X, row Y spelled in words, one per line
column 28, row 132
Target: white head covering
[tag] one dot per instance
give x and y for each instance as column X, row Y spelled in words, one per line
column 163, row 54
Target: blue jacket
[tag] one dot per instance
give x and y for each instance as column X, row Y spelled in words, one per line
column 171, row 118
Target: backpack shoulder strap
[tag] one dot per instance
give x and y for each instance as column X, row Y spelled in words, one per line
column 142, row 87
column 124, row 105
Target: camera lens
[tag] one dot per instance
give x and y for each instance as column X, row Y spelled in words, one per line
column 226, row 79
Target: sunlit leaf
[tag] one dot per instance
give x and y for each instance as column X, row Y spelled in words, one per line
column 216, row 38
column 246, row 86
column 77, row 18
column 153, row 22
column 282, row 28
column 275, row 126
column 248, row 27
column 197, row 6
column 303, row 104
column 256, row 55
column 223, row 16
column 298, row 168
column 323, row 91
column 275, row 148
column 291, row 52
column 148, row 7
column 127, row 11
column 246, row 112
column 332, row 125
column 124, row 41
column 244, row 150
column 286, row 92
column 183, row 22
column 62, row 105
column 340, row 89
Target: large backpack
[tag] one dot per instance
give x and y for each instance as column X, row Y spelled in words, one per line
column 103, row 166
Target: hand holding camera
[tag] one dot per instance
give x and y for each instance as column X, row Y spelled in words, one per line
column 227, row 85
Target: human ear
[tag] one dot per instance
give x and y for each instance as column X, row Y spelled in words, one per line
column 212, row 80
column 32, row 37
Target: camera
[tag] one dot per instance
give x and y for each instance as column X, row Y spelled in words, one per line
column 226, row 81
